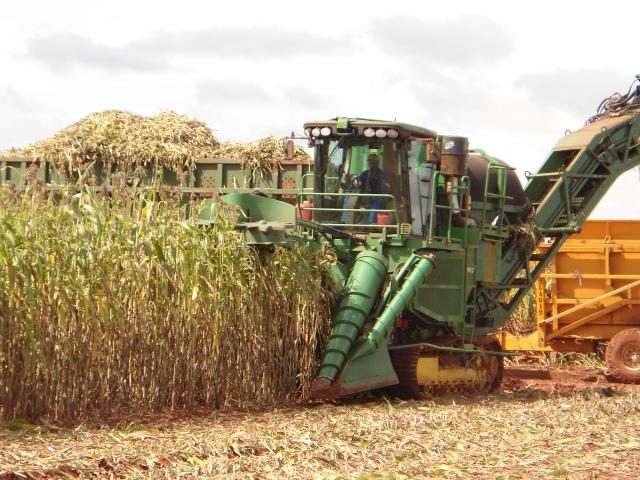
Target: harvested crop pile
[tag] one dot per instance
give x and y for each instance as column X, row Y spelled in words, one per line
column 134, row 142
column 127, row 140
column 258, row 157
column 119, row 303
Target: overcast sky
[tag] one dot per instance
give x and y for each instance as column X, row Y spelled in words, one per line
column 511, row 78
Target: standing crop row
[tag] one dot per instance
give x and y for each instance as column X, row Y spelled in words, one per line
column 122, row 303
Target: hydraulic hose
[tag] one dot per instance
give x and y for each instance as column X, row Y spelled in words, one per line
column 396, row 305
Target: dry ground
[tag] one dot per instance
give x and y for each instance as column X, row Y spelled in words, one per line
column 544, row 424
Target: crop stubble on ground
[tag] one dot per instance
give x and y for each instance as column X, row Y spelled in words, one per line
column 526, row 431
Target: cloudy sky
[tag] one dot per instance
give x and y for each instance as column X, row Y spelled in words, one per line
column 511, row 78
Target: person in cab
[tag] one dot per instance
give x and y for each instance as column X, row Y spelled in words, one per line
column 373, row 180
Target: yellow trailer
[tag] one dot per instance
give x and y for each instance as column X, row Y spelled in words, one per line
column 591, row 295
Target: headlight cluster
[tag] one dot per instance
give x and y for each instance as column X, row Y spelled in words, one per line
column 370, row 132
column 317, row 131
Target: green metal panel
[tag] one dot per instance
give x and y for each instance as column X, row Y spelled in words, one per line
column 289, row 178
column 261, row 220
column 267, row 182
column 210, row 176
column 443, row 295
column 487, row 261
column 206, row 176
column 234, row 176
column 14, row 170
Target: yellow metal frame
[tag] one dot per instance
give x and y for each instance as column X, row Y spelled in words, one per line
column 430, row 374
column 607, row 251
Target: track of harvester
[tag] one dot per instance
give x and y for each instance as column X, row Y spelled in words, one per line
column 405, row 364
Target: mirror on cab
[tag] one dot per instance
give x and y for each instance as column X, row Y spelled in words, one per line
column 426, row 152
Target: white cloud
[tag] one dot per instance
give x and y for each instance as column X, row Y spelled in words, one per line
column 61, row 51
column 305, row 96
column 575, row 91
column 252, row 42
column 162, row 50
column 512, row 80
column 461, row 40
column 235, row 91
column 11, row 99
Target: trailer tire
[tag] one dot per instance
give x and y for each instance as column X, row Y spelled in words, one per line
column 623, row 356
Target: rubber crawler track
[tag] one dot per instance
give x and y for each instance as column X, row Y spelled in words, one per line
column 405, row 363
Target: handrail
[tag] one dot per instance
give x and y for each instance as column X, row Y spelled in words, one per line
column 393, row 210
column 302, row 180
column 462, row 186
column 361, row 210
column 501, row 185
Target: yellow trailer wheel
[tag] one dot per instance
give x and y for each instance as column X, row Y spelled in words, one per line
column 623, row 355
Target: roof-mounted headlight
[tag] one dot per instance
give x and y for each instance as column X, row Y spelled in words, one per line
column 315, row 132
column 392, row 133
column 369, row 132
column 307, row 132
column 380, row 133
column 325, row 131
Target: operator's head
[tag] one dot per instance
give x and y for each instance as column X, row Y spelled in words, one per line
column 373, row 161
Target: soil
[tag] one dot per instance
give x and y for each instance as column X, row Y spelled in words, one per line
column 544, row 422
column 561, row 380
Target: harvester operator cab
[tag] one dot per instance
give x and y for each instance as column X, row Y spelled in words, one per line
column 371, row 175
